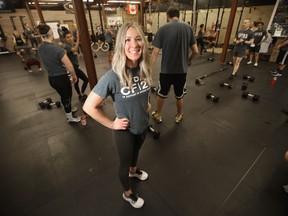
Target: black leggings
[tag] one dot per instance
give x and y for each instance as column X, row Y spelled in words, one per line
column 128, row 146
column 200, row 42
column 63, row 86
column 81, row 75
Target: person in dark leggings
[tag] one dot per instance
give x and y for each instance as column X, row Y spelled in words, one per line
column 57, row 64
column 72, row 50
column 128, row 83
column 200, row 38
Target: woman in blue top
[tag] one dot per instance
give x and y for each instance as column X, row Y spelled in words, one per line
column 128, row 83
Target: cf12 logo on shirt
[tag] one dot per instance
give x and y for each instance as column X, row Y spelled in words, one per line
column 138, row 87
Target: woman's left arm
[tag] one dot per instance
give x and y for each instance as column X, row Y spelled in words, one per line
column 68, row 65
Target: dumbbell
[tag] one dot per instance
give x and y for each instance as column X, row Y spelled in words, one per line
column 46, row 101
column 244, row 86
column 210, row 59
column 53, row 104
column 230, row 86
column 155, row 134
column 248, row 77
column 212, row 97
column 250, row 96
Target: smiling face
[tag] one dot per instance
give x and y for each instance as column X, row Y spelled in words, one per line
column 133, row 47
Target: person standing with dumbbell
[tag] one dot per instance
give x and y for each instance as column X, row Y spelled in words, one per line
column 57, row 64
column 242, row 40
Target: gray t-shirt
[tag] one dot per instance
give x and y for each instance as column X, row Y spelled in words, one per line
column 71, row 55
column 128, row 103
column 246, row 35
column 175, row 39
column 51, row 55
column 258, row 36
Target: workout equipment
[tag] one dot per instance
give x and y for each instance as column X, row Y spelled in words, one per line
column 12, row 21
column 244, row 86
column 248, row 77
column 229, row 86
column 155, row 133
column 22, row 22
column 48, row 104
column 253, row 97
column 210, row 59
column 212, row 97
column 198, row 81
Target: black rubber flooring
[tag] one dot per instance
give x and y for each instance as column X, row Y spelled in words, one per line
column 224, row 159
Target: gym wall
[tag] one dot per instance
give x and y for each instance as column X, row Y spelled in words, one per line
column 252, row 13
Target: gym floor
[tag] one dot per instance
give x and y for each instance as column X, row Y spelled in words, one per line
column 224, row 159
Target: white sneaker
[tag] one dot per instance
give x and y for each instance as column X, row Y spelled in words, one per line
column 39, row 69
column 30, row 71
column 249, row 62
column 74, row 109
column 255, row 65
column 135, row 201
column 276, row 74
column 72, row 120
column 140, row 174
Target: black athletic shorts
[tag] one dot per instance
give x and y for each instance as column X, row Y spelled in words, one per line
column 177, row 80
column 256, row 48
column 239, row 52
column 282, row 57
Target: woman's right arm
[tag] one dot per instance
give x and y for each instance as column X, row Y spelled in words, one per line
column 92, row 107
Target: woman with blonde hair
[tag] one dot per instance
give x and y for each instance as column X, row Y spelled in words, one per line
column 128, row 83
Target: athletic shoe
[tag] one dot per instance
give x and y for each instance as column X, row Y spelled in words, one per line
column 135, row 201
column 157, row 117
column 248, row 63
column 74, row 120
column 232, row 77
column 255, row 65
column 30, row 71
column 277, row 74
column 39, row 69
column 178, row 118
column 140, row 174
column 74, row 109
column 82, row 97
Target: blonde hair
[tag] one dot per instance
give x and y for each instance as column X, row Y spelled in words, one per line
column 120, row 59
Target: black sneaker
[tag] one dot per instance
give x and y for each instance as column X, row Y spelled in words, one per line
column 232, row 77
column 82, row 97
column 135, row 201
